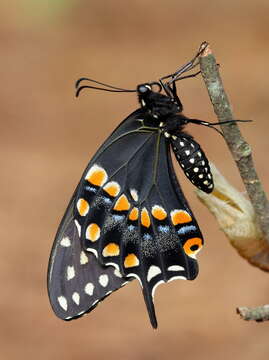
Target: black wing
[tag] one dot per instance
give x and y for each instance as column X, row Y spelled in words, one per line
column 76, row 281
column 130, row 218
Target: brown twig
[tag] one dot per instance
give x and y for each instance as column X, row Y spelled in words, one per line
column 242, row 155
column 260, row 313
column 239, row 148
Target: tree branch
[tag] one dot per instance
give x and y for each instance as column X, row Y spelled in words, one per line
column 260, row 313
column 232, row 212
column 239, row 148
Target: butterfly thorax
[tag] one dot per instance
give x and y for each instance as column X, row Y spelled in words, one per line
column 161, row 110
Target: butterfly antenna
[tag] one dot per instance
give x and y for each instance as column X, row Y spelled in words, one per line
column 105, row 87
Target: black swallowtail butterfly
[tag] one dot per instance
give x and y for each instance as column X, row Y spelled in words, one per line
column 128, row 218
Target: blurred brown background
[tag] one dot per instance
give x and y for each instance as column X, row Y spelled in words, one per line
column 48, row 136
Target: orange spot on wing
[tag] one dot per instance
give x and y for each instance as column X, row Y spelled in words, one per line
column 192, row 246
column 112, row 188
column 93, row 232
column 145, row 219
column 180, row 217
column 111, row 249
column 122, row 204
column 96, row 175
column 83, row 207
column 158, row 212
column 134, row 214
column 131, row 260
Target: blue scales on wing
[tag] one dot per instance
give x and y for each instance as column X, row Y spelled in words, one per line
column 127, row 219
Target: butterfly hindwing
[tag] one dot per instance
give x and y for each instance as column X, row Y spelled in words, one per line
column 134, row 219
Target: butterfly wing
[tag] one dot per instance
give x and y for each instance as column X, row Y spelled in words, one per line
column 128, row 215
column 76, row 280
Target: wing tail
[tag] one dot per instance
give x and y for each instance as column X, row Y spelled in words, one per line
column 150, row 307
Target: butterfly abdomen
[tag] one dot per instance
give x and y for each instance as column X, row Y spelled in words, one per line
column 193, row 161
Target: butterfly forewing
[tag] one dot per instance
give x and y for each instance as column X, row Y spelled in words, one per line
column 76, row 280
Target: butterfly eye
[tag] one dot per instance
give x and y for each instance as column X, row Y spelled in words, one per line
column 143, row 89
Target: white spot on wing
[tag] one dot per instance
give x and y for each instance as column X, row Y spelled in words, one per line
column 103, row 280
column 116, row 266
column 117, row 273
column 135, row 276
column 78, row 227
column 70, row 272
column 95, row 253
column 89, row 289
column 63, row 302
column 177, row 278
column 134, row 194
column 153, row 271
column 65, row 242
column 155, row 287
column 83, row 258
column 175, row 268
column 76, row 298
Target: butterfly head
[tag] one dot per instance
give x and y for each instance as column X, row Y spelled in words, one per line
column 155, row 103
column 144, row 92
